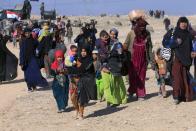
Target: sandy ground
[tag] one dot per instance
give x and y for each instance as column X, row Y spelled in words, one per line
column 23, row 111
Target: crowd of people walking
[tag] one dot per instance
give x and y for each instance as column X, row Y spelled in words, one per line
column 93, row 68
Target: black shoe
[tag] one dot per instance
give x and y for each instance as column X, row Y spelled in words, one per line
column 30, row 90
column 130, row 96
column 34, row 88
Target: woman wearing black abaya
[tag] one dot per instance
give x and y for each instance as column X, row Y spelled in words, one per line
column 182, row 46
column 8, row 61
column 28, row 62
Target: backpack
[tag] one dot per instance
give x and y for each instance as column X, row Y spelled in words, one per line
column 166, row 51
column 125, row 60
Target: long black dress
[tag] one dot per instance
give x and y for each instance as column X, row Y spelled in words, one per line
column 8, row 61
column 87, row 89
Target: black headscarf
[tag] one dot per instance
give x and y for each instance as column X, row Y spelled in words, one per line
column 182, row 20
column 85, row 32
column 183, row 34
column 88, row 53
column 183, row 51
column 87, row 60
column 29, row 45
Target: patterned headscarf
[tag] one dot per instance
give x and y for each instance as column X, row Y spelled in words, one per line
column 140, row 28
column 115, row 31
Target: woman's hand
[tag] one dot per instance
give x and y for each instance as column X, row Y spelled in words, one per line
column 179, row 41
column 78, row 63
column 74, row 63
column 125, row 47
column 193, row 54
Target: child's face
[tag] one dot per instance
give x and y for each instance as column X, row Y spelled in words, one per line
column 84, row 53
column 59, row 59
column 105, row 38
column 27, row 34
column 74, row 51
column 112, row 35
column 76, row 79
column 94, row 56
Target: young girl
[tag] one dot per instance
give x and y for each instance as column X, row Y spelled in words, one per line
column 99, row 82
column 161, row 72
column 60, row 85
column 86, row 85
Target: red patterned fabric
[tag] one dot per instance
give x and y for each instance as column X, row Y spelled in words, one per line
column 137, row 71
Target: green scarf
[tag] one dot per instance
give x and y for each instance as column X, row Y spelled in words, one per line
column 44, row 34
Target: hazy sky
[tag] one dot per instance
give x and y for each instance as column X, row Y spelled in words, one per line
column 96, row 7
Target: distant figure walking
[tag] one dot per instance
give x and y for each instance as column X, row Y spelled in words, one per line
column 27, row 9
column 69, row 34
column 42, row 10
column 167, row 23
